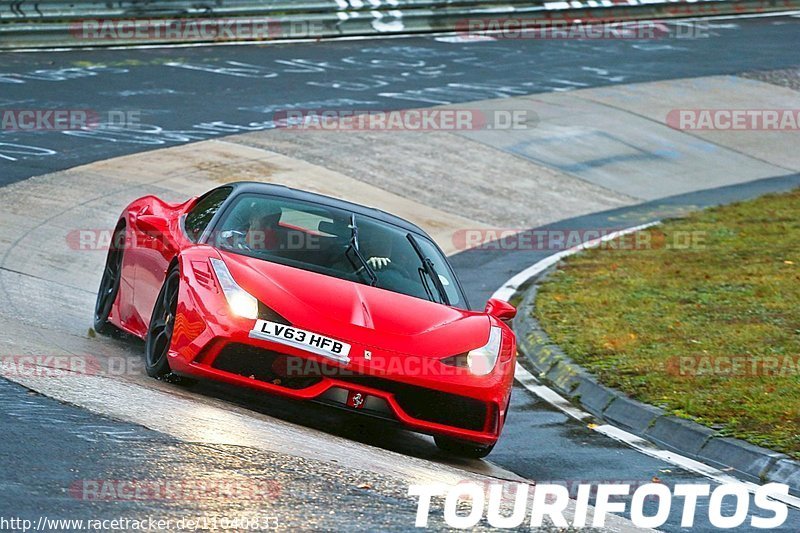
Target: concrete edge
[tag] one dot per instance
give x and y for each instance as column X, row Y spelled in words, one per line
column 686, row 437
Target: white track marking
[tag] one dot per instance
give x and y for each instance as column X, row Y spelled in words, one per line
column 511, row 286
column 648, row 448
column 531, row 383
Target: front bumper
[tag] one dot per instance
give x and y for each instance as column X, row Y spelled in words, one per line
column 426, row 396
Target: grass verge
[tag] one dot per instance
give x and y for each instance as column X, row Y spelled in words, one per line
column 703, row 321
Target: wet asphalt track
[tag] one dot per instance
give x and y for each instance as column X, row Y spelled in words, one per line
column 98, row 468
column 186, row 94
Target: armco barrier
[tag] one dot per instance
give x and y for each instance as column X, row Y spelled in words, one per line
column 43, row 23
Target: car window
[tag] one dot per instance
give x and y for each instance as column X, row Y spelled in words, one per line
column 443, row 270
column 201, row 214
column 319, row 238
column 304, row 220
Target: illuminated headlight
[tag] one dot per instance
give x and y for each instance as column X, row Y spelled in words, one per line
column 481, row 361
column 241, row 302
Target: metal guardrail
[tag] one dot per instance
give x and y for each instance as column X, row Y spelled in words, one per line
column 48, row 23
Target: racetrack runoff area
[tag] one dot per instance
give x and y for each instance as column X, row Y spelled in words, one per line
column 583, row 151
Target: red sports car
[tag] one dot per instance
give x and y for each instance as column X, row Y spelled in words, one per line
column 312, row 298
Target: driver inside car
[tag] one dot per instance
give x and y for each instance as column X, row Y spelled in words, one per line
column 262, row 233
column 377, row 252
column 254, row 226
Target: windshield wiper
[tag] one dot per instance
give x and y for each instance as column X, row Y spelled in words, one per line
column 373, row 278
column 429, row 269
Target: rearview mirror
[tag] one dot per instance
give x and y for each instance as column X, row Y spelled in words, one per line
column 500, row 309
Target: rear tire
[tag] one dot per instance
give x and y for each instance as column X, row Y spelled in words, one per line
column 463, row 448
column 159, row 334
column 109, row 283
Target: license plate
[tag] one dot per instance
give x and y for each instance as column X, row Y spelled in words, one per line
column 303, row 339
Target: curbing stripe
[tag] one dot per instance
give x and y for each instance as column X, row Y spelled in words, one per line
column 512, row 286
column 529, row 381
column 691, row 438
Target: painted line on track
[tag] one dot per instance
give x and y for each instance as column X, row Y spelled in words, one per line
column 532, row 384
column 512, row 286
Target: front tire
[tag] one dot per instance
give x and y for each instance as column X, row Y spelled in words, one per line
column 463, row 448
column 159, row 335
column 109, row 283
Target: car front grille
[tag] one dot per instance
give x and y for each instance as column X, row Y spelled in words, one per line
column 430, row 405
column 298, row 373
column 263, row 365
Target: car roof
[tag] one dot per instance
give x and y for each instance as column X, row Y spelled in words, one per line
column 283, row 191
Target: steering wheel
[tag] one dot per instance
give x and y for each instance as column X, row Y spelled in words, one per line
column 239, row 239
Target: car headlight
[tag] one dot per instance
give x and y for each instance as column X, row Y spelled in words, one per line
column 481, row 361
column 241, row 302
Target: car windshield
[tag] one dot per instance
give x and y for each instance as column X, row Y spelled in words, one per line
column 337, row 243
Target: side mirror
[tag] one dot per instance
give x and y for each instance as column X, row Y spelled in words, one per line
column 152, row 225
column 500, row 309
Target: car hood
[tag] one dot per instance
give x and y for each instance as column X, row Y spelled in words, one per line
column 359, row 313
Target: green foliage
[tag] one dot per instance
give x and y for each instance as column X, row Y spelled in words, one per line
column 718, row 286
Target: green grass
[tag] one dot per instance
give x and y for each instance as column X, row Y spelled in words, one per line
column 632, row 317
